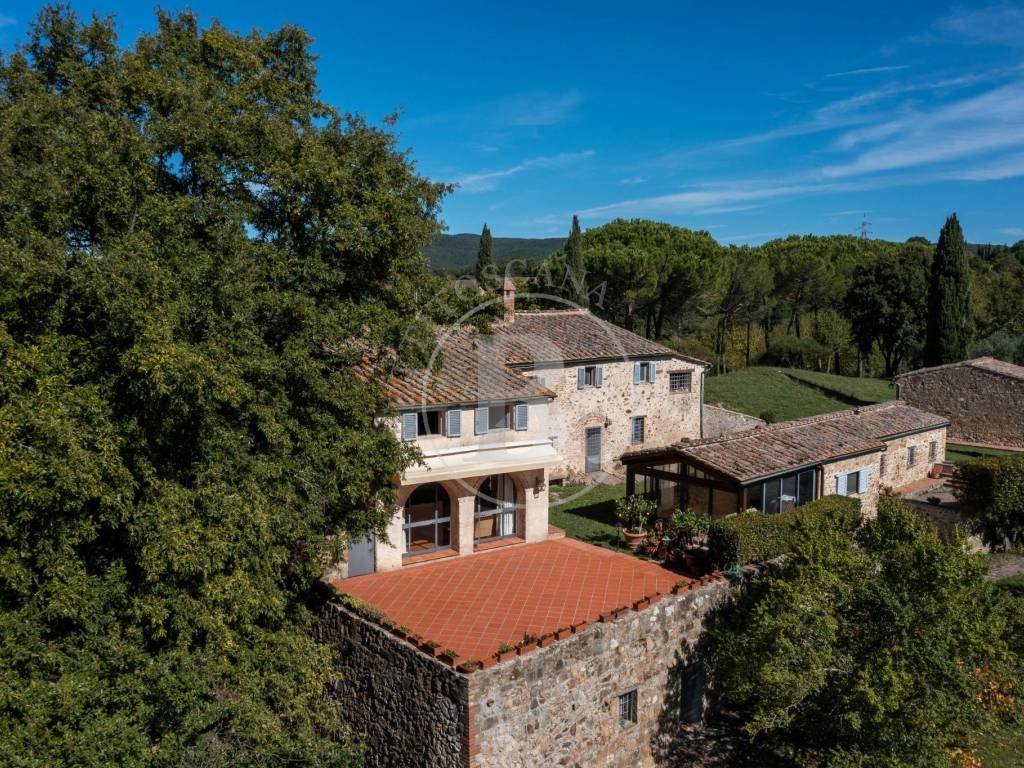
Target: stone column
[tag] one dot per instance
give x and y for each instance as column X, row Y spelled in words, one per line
column 464, row 507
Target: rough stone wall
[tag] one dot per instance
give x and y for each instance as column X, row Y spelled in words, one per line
column 720, row 421
column 670, row 416
column 409, row 709
column 868, row 499
column 982, row 407
column 897, row 473
column 559, row 705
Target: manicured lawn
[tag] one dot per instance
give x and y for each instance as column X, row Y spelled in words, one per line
column 956, row 453
column 591, row 516
column 756, row 390
column 863, row 391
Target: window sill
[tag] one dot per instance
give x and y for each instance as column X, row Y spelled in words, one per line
column 440, row 554
column 498, row 544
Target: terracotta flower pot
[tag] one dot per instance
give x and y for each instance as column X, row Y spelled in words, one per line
column 563, row 633
column 505, row 655
column 431, row 650
column 634, row 540
column 489, row 662
column 579, row 626
column 449, row 659
column 527, row 648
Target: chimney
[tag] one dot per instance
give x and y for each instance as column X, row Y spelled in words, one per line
column 508, row 293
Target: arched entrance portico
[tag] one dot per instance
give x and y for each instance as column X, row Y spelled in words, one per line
column 426, row 524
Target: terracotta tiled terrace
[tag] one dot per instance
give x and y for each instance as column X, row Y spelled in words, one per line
column 475, row 604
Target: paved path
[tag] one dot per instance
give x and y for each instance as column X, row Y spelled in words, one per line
column 1006, row 566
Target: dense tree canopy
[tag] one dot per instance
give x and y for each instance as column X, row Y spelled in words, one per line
column 887, row 650
column 188, row 238
column 484, row 270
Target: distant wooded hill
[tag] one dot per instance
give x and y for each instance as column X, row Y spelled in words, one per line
column 456, row 251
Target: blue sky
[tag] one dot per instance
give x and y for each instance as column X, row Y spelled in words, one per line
column 745, row 120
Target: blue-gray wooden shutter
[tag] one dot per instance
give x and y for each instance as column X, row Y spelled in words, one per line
column 454, row 423
column 581, row 377
column 636, row 373
column 865, row 475
column 599, row 376
column 522, row 417
column 654, row 371
column 409, row 423
column 841, row 485
column 480, row 420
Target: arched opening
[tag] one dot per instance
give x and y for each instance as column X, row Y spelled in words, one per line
column 495, row 516
column 427, row 526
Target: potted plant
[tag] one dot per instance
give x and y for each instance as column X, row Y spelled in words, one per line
column 634, row 512
column 431, row 647
column 529, row 643
column 449, row 656
column 562, row 632
column 505, row 652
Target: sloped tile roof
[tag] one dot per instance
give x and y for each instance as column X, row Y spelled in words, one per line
column 479, row 367
column 574, row 335
column 784, row 446
column 990, row 364
column 472, row 370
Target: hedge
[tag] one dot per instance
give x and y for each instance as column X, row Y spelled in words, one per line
column 991, row 490
column 752, row 537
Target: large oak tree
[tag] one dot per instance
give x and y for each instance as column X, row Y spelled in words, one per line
column 188, row 237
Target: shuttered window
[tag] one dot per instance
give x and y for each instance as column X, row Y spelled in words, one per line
column 480, row 420
column 409, row 423
column 522, row 417
column 645, row 373
column 454, row 425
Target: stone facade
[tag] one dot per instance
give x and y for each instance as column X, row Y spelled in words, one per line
column 983, row 406
column 558, row 705
column 889, row 469
column 408, row 708
column 719, row 421
column 669, row 416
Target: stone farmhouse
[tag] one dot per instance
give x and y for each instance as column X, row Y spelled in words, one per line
column 547, row 395
column 775, row 468
column 982, row 398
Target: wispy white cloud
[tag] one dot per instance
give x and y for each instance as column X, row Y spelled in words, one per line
column 7, row 21
column 869, row 70
column 632, row 180
column 536, row 109
column 988, row 122
column 1007, row 167
column 998, row 24
column 487, row 180
column 1013, row 231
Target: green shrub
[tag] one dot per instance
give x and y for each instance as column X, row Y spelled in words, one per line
column 634, row 512
column 991, row 490
column 752, row 536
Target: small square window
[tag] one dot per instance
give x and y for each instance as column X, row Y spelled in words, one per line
column 428, row 423
column 679, row 381
column 627, row 708
column 853, row 483
column 638, row 429
column 498, row 417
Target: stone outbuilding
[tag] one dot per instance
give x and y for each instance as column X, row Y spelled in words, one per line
column 982, row 398
column 777, row 467
column 555, row 653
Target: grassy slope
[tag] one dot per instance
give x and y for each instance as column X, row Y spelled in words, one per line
column 957, row 453
column 756, row 390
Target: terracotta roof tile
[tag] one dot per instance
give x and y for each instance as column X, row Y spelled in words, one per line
column 780, row 447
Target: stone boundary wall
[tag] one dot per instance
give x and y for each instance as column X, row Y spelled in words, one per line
column 719, row 421
column 408, row 708
column 559, row 705
column 983, row 407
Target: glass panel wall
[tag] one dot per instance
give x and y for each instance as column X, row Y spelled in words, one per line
column 427, row 524
column 781, row 494
column 495, row 516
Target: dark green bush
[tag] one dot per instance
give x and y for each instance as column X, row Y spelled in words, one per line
column 752, row 537
column 991, row 491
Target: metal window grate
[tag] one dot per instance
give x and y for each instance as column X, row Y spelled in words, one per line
column 679, row 382
column 627, row 707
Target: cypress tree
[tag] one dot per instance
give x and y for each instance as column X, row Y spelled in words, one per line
column 575, row 277
column 950, row 322
column 484, row 260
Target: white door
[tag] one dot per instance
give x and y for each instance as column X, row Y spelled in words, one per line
column 360, row 557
